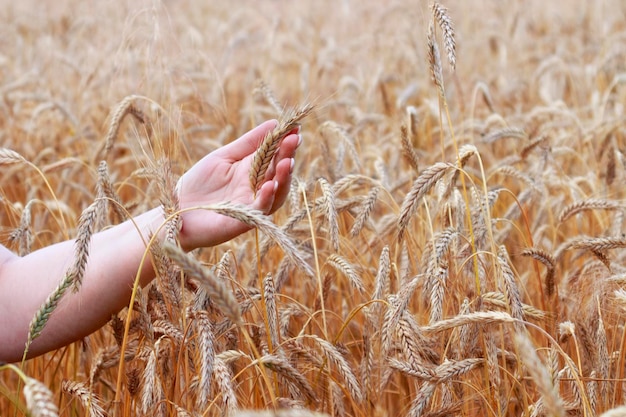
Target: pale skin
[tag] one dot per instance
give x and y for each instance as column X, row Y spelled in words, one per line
column 116, row 253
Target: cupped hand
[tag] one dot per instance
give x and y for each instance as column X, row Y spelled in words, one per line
column 223, row 176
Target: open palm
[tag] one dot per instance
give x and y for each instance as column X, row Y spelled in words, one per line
column 223, row 176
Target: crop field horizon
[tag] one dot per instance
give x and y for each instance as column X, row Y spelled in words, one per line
column 453, row 243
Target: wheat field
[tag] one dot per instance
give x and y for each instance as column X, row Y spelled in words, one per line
column 453, row 243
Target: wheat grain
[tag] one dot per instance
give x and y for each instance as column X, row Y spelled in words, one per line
column 348, row 270
column 427, row 179
column 254, row 218
column 480, row 317
column 224, row 380
column 269, row 294
column 342, row 367
column 510, row 288
column 407, row 149
column 206, row 348
column 268, row 95
column 9, row 156
column 39, row 399
column 87, row 399
column 445, row 23
column 331, row 213
column 549, row 261
column 86, row 225
column 434, row 59
column 221, row 296
column 281, row 366
column 421, row 400
column 589, row 204
column 124, row 108
column 593, row 243
column 551, row 399
column 364, row 212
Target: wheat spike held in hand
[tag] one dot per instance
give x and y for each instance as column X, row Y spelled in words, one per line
column 264, row 154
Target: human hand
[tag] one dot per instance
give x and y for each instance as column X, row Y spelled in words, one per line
column 223, row 176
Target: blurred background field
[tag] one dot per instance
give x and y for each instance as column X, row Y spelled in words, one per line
column 515, row 248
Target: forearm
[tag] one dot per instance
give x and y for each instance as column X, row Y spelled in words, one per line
column 26, row 282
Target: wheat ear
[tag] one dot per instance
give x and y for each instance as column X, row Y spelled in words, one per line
column 264, row 154
column 124, row 108
column 549, row 261
column 86, row 398
column 445, row 23
column 434, row 59
column 72, row 278
column 421, row 186
column 39, row 399
column 221, row 296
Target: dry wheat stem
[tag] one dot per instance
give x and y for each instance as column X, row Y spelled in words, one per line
column 264, row 154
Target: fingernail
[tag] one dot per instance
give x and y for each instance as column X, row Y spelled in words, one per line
column 275, row 186
column 293, row 164
column 299, row 140
column 298, row 129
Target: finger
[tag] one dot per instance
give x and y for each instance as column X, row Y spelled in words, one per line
column 284, row 170
column 265, row 197
column 247, row 143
